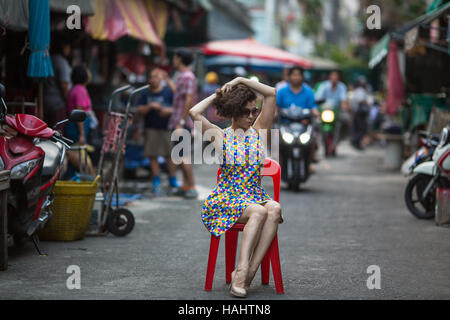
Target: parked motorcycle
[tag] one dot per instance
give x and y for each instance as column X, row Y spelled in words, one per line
column 329, row 128
column 428, row 143
column 296, row 143
column 420, row 193
column 35, row 155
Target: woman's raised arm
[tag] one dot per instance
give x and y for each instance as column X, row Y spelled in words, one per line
column 196, row 114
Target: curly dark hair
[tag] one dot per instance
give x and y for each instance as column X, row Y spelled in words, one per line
column 232, row 104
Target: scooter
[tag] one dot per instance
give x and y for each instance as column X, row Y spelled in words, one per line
column 428, row 143
column 296, row 143
column 34, row 153
column 429, row 176
column 329, row 128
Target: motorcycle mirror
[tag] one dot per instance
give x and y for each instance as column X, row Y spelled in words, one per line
column 77, row 116
column 3, row 108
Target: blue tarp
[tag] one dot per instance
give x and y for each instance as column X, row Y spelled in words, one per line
column 40, row 64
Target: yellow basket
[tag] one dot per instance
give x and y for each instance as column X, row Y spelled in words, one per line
column 72, row 209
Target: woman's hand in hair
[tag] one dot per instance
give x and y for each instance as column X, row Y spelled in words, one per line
column 229, row 85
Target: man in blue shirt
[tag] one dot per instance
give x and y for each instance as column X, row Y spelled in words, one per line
column 333, row 91
column 297, row 93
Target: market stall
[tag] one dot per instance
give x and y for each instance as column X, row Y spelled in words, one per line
column 416, row 69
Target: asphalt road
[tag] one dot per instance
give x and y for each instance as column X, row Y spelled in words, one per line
column 349, row 216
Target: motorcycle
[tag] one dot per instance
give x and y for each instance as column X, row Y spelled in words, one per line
column 296, row 143
column 34, row 154
column 429, row 176
column 428, row 143
column 329, row 128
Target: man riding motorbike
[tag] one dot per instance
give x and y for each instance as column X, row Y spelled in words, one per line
column 296, row 103
column 334, row 93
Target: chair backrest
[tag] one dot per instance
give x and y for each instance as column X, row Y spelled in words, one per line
column 271, row 169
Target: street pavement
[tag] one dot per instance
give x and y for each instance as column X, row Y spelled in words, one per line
column 350, row 215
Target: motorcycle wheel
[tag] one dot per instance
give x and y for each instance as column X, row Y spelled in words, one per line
column 120, row 222
column 327, row 141
column 420, row 208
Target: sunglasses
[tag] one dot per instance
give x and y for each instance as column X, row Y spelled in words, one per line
column 254, row 112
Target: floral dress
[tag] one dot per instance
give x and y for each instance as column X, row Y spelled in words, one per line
column 239, row 183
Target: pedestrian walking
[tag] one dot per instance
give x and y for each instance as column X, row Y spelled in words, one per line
column 185, row 97
column 56, row 88
column 155, row 105
column 239, row 196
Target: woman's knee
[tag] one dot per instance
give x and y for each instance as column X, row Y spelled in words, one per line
column 273, row 210
column 259, row 212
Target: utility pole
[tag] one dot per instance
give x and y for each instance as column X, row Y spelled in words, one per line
column 269, row 8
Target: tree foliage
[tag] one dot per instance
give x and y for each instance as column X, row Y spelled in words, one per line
column 344, row 57
column 311, row 23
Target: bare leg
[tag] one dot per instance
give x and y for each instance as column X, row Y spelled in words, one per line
column 254, row 217
column 73, row 158
column 268, row 232
column 91, row 170
column 154, row 166
column 171, row 167
column 188, row 175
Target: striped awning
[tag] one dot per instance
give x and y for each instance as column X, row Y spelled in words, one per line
column 115, row 19
column 252, row 49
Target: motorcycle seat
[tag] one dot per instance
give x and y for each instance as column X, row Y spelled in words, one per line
column 53, row 153
column 29, row 125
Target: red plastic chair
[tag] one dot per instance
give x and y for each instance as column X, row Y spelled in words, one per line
column 271, row 168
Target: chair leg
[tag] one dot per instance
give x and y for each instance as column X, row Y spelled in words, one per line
column 213, row 250
column 265, row 268
column 276, row 266
column 231, row 241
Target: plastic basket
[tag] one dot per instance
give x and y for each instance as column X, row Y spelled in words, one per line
column 72, row 209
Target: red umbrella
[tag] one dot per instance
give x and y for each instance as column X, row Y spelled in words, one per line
column 253, row 49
